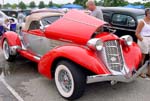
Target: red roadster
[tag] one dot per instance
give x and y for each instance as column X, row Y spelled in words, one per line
column 74, row 49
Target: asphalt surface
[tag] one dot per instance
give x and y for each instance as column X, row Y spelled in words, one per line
column 28, row 85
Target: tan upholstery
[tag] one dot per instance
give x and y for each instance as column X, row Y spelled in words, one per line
column 37, row 17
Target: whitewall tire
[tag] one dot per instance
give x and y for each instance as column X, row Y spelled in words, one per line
column 6, row 52
column 69, row 80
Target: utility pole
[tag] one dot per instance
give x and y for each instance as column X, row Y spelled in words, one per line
column 18, row 4
column 2, row 3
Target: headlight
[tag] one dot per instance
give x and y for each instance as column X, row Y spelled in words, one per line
column 128, row 39
column 95, row 44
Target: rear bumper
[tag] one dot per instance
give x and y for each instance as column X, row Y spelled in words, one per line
column 118, row 78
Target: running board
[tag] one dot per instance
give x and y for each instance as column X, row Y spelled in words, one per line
column 29, row 56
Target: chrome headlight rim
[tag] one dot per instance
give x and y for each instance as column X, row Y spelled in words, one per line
column 128, row 39
column 95, row 44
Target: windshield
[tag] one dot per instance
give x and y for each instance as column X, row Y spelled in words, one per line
column 49, row 20
column 11, row 13
column 140, row 17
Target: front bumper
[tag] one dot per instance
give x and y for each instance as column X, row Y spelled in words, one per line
column 118, row 78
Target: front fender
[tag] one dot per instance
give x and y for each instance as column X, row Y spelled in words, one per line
column 80, row 55
column 12, row 38
column 132, row 55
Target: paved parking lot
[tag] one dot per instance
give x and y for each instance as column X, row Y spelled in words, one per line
column 22, row 81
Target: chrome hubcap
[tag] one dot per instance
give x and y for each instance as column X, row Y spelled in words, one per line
column 65, row 80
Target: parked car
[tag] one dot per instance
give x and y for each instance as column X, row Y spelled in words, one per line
column 10, row 12
column 124, row 20
column 3, row 15
column 74, row 50
column 14, row 13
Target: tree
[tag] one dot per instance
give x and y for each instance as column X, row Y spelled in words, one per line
column 137, row 3
column 80, row 2
column 41, row 4
column 147, row 5
column 22, row 5
column 32, row 4
column 14, row 6
column 57, row 5
column 50, row 4
column 113, row 2
column 7, row 5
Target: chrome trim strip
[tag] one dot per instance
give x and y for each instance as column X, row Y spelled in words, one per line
column 65, row 40
column 39, row 45
column 125, row 29
column 37, row 58
column 118, row 78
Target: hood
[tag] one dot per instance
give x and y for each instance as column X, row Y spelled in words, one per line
column 75, row 26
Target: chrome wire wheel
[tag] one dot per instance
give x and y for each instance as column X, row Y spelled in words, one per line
column 64, row 81
column 69, row 79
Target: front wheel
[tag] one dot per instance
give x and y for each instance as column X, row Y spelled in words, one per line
column 70, row 80
column 6, row 52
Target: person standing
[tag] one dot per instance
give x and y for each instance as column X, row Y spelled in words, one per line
column 21, row 17
column 143, row 36
column 6, row 25
column 95, row 11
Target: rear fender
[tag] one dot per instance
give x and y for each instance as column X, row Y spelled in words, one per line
column 12, row 38
column 79, row 55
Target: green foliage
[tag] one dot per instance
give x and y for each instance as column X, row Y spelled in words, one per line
column 80, row 2
column 137, row 3
column 57, row 5
column 107, row 3
column 22, row 5
column 32, row 4
column 104, row 2
column 50, row 4
column 147, row 5
column 14, row 6
column 41, row 4
column 8, row 5
column 113, row 3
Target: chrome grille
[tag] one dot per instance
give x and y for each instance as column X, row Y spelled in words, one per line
column 113, row 54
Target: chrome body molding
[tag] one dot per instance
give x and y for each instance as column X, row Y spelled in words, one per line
column 39, row 45
column 37, row 58
column 118, row 78
column 125, row 29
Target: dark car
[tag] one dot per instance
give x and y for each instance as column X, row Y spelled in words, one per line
column 124, row 20
column 10, row 12
column 14, row 13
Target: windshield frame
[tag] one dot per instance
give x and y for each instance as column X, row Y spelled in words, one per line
column 50, row 22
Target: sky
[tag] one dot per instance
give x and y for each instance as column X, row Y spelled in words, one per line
column 46, row 1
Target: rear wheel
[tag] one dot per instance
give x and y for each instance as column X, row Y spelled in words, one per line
column 6, row 52
column 70, row 80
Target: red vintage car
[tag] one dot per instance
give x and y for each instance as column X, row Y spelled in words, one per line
column 74, row 49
